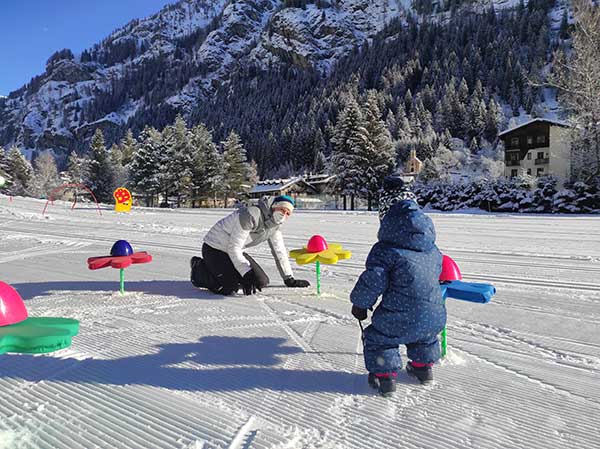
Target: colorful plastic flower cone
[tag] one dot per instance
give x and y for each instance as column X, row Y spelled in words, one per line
column 453, row 287
column 450, row 270
column 319, row 251
column 12, row 307
column 121, row 256
column 33, row 335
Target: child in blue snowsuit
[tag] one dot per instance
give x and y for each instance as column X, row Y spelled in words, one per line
column 403, row 267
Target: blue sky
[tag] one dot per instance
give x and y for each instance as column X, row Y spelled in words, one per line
column 31, row 30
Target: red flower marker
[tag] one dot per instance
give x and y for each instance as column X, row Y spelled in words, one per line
column 95, row 263
column 121, row 256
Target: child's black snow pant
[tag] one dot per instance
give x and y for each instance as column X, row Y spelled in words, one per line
column 224, row 279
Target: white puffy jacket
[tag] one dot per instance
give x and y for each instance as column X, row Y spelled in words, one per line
column 247, row 227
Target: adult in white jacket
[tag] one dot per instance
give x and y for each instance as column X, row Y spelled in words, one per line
column 225, row 267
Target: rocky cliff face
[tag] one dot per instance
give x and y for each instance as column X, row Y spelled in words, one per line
column 175, row 59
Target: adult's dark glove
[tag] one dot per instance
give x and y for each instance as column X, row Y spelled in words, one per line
column 359, row 314
column 291, row 282
column 250, row 283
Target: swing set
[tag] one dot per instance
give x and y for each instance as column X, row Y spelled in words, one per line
column 64, row 187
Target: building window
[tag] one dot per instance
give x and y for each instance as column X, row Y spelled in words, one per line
column 514, row 142
column 514, row 156
column 528, row 156
column 529, row 171
column 540, row 172
column 540, row 155
column 513, row 173
column 541, row 139
column 529, row 140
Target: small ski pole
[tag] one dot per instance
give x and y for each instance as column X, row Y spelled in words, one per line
column 362, row 331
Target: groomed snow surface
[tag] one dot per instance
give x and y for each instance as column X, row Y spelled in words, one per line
column 170, row 366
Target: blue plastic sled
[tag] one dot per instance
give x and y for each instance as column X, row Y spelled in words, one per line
column 468, row 291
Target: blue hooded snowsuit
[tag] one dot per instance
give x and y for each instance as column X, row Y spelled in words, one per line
column 403, row 266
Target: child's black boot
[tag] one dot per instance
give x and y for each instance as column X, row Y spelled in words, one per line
column 421, row 371
column 385, row 383
column 373, row 381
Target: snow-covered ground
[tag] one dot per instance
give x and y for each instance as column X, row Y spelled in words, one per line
column 169, row 366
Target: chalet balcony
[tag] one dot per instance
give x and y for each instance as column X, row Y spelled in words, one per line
column 512, row 163
column 543, row 161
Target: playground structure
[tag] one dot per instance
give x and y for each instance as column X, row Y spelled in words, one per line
column 34, row 335
column 319, row 251
column 64, row 187
column 121, row 257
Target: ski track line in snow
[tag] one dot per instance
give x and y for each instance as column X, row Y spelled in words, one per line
column 505, row 337
column 546, row 311
column 298, row 339
column 558, row 389
column 347, row 411
column 143, row 423
column 303, row 341
column 529, row 265
column 244, row 435
column 145, row 406
column 471, row 276
column 413, row 419
column 36, row 251
column 301, row 241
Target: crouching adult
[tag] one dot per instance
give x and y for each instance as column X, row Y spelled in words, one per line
column 224, row 267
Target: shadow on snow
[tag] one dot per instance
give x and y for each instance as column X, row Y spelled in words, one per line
column 187, row 366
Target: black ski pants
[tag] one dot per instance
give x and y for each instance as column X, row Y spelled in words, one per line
column 226, row 279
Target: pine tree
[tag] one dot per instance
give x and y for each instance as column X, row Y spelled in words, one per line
column 207, row 166
column 129, row 145
column 20, row 171
column 176, row 161
column 492, row 120
column 236, row 167
column 379, row 156
column 477, row 116
column 75, row 169
column 253, row 177
column 144, row 169
column 120, row 171
column 4, row 167
column 100, row 177
column 320, row 163
column 349, row 139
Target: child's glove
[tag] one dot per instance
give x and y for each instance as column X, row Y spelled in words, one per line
column 359, row 314
column 299, row 283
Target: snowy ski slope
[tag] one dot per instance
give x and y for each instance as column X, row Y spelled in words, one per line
column 169, row 366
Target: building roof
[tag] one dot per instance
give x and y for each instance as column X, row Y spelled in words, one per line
column 535, row 120
column 274, row 185
column 318, row 179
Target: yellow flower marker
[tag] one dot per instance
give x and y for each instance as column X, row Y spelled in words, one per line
column 317, row 250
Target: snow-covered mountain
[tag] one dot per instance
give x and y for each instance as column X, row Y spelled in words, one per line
column 178, row 57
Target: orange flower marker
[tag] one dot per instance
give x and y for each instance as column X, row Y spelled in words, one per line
column 319, row 251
